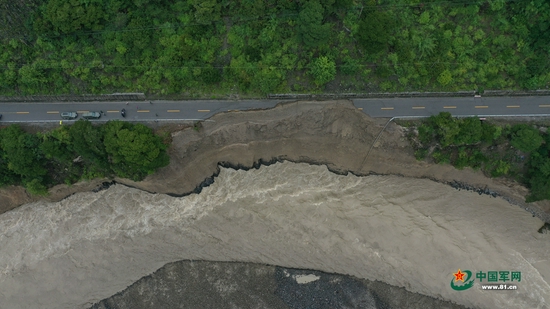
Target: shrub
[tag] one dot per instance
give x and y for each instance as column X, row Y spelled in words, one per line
column 323, row 70
column 500, row 168
column 445, row 78
column 421, row 153
column 35, row 187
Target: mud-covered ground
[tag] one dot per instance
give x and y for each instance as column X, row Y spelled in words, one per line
column 200, row 284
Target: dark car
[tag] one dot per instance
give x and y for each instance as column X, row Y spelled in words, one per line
column 123, row 112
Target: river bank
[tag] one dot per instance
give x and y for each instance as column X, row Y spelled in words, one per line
column 410, row 233
column 86, row 244
column 331, row 133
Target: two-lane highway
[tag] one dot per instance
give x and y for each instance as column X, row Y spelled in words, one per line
column 202, row 109
column 459, row 106
column 135, row 110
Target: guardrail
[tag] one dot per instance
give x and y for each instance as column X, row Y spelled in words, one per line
column 486, row 93
column 297, row 96
column 75, row 98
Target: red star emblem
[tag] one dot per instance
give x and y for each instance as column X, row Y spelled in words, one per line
column 459, row 275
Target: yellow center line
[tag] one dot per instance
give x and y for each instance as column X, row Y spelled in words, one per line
column 112, row 111
column 545, row 105
column 449, row 106
column 204, row 110
column 387, row 108
column 512, row 106
column 82, row 111
column 173, row 110
column 143, row 111
column 360, row 108
column 482, row 106
column 52, row 112
column 22, row 112
column 419, row 107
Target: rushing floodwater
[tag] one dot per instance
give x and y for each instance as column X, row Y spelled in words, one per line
column 406, row 232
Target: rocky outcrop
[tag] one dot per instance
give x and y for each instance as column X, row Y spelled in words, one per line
column 249, row 285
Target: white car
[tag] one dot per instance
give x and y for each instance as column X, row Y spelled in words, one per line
column 69, row 115
column 91, row 115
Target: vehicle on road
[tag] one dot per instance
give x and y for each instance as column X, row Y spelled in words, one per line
column 69, row 115
column 123, row 112
column 91, row 115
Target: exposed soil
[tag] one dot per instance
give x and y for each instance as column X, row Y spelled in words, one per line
column 332, row 133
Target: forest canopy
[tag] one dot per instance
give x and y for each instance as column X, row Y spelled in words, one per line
column 253, row 47
column 521, row 151
column 78, row 152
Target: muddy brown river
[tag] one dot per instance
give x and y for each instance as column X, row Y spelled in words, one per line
column 406, row 232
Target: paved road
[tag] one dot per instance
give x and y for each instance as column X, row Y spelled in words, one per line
column 203, row 109
column 463, row 106
column 135, row 110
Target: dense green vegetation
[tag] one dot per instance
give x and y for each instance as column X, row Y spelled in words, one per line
column 81, row 151
column 254, row 47
column 520, row 151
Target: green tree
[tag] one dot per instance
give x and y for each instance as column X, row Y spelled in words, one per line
column 500, row 168
column 526, row 138
column 32, row 76
column 36, row 187
column 441, row 156
column 426, row 133
column 462, row 158
column 538, row 174
column 242, row 71
column 22, row 153
column 350, row 66
column 424, row 44
column 211, row 75
column 323, row 70
column 310, row 24
column 14, row 15
column 69, row 16
column 375, row 30
column 7, row 176
column 56, row 144
column 445, row 78
column 470, row 131
column 446, row 128
column 134, row 150
column 266, row 80
column 87, row 142
column 207, row 11
column 490, row 132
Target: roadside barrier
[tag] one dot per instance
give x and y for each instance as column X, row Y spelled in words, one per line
column 486, row 93
column 75, row 98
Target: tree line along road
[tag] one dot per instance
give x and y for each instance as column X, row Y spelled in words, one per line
column 195, row 110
